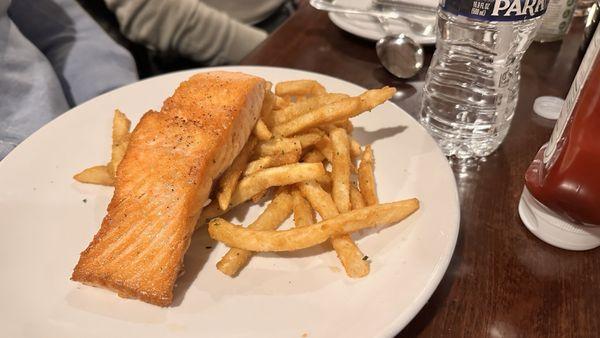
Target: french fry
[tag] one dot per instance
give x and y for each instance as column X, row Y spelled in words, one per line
column 303, row 212
column 300, row 108
column 259, row 164
column 355, row 148
column 316, row 130
column 318, row 198
column 229, row 179
column 261, row 131
column 273, row 216
column 258, row 197
column 366, row 177
column 327, row 128
column 348, row 253
column 325, row 147
column 209, row 212
column 268, row 105
column 120, row 140
column 308, row 139
column 277, row 176
column 340, row 189
column 313, row 156
column 272, row 161
column 299, row 98
column 280, row 103
column 356, row 198
column 278, row 146
column 326, row 184
column 95, row 175
column 335, row 111
column 374, row 97
column 303, row 237
column 299, row 88
column 345, row 124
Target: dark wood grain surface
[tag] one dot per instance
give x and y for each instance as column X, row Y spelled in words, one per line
column 502, row 280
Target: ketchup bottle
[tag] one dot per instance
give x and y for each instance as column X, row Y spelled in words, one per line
column 560, row 203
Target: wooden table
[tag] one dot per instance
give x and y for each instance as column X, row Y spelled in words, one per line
column 502, row 280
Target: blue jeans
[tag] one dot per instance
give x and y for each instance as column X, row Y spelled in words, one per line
column 53, row 56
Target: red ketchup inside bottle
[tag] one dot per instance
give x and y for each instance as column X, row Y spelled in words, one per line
column 561, row 200
column 565, row 174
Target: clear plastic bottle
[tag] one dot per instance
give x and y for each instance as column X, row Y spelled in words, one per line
column 472, row 85
column 556, row 21
column 583, row 7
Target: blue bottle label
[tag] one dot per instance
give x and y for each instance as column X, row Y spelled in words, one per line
column 496, row 10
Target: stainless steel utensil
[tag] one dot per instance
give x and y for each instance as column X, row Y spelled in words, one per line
column 400, row 55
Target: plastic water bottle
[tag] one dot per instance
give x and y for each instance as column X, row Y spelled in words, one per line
column 472, row 85
column 556, row 21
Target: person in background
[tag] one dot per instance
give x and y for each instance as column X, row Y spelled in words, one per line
column 212, row 32
column 53, row 56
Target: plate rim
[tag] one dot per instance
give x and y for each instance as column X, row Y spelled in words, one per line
column 404, row 316
column 341, row 21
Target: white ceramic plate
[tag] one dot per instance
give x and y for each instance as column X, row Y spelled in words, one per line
column 47, row 219
column 369, row 28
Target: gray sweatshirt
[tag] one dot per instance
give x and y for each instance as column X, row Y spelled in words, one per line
column 194, row 29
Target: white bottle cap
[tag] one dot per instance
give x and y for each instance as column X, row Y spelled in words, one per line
column 554, row 229
column 548, row 107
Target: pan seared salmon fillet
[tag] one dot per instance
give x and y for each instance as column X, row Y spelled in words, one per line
column 162, row 183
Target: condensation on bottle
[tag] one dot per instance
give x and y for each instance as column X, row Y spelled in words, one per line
column 472, row 86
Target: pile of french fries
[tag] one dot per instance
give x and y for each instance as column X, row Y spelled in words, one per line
column 301, row 153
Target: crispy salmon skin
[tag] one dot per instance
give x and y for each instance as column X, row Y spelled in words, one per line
column 164, row 180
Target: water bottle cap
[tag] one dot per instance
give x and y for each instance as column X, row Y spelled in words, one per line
column 554, row 229
column 548, row 107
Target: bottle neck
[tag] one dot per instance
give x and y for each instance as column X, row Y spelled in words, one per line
column 499, row 10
